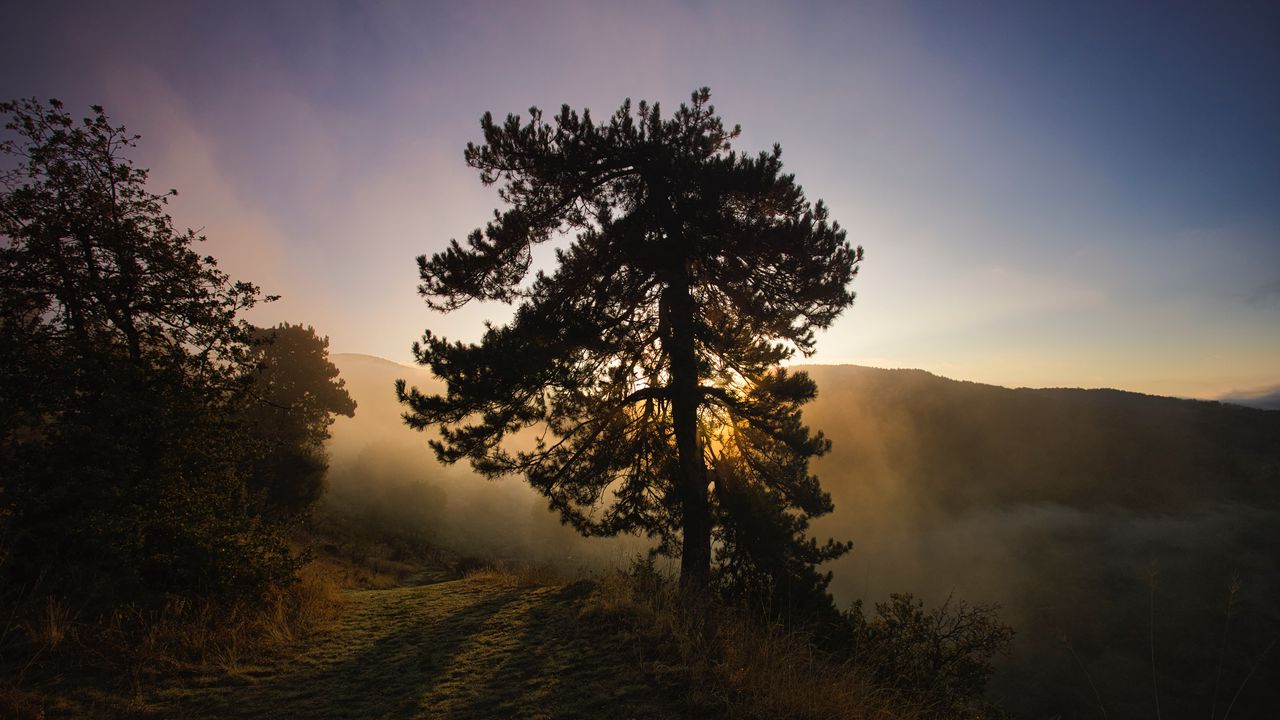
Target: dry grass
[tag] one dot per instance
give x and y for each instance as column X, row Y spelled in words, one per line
column 517, row 574
column 63, row 663
column 491, row 645
column 509, row 640
column 205, row 634
column 740, row 667
column 364, row 573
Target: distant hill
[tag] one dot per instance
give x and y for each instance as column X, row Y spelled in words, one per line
column 1264, row 400
column 971, row 444
column 1055, row 503
column 371, row 381
column 968, row 443
column 1077, row 511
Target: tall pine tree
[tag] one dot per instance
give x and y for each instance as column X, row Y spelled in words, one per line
column 648, row 360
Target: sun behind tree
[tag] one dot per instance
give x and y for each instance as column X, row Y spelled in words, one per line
column 695, row 272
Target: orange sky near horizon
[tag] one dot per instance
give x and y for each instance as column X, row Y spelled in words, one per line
column 1048, row 197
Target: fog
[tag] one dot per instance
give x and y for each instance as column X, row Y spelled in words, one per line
column 385, row 471
column 1110, row 521
column 1101, row 522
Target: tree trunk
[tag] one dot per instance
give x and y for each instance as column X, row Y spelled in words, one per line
column 695, row 552
column 686, row 396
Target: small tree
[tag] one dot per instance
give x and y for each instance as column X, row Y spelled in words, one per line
column 296, row 394
column 123, row 368
column 694, row 272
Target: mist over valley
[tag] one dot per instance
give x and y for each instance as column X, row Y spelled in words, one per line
column 1056, row 504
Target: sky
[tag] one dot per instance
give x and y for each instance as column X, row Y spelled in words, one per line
column 1048, row 194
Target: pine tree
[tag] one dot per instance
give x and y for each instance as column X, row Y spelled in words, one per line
column 653, row 346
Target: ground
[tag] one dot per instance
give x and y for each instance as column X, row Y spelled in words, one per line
column 480, row 647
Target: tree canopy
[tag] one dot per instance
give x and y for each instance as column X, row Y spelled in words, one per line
column 295, row 395
column 125, row 366
column 647, row 361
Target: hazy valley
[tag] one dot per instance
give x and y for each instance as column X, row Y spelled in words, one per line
column 1056, row 504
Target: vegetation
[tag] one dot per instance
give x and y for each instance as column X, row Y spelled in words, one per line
column 489, row 645
column 295, row 395
column 144, row 496
column 902, row 662
column 505, row 642
column 941, row 658
column 124, row 365
column 649, row 357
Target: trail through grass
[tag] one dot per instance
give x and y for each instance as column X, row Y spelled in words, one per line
column 480, row 647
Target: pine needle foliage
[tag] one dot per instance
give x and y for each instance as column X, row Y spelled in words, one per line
column 651, row 351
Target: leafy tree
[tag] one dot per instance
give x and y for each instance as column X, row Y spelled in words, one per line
column 296, row 394
column 694, row 272
column 124, row 365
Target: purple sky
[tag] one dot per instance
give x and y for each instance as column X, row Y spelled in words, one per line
column 1048, row 193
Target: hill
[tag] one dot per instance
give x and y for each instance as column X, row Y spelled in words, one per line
column 1263, row 400
column 1083, row 513
column 1057, row 504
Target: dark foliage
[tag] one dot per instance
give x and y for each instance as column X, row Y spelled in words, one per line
column 693, row 272
column 939, row 658
column 295, row 395
column 764, row 499
column 124, row 367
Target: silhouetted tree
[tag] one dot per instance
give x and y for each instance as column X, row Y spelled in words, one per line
column 694, row 272
column 764, row 499
column 123, row 369
column 296, row 394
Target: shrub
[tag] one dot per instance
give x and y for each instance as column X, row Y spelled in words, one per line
column 940, row 657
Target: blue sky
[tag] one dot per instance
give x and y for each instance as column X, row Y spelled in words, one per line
column 1049, row 194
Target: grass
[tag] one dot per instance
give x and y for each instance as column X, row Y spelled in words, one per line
column 64, row 662
column 501, row 642
column 737, row 666
column 489, row 645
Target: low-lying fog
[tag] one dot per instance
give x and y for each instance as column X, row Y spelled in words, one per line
column 1099, row 519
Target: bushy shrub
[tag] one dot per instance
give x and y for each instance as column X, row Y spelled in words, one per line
column 941, row 658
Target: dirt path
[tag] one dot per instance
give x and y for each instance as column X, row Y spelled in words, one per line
column 474, row 648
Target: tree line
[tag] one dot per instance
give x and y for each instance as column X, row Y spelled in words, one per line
column 152, row 441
